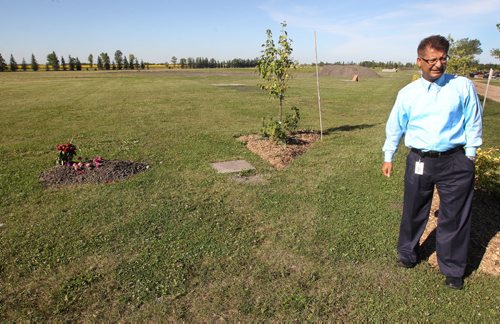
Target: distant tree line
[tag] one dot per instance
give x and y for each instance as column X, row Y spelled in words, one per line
column 387, row 65
column 377, row 64
column 103, row 62
column 204, row 63
column 74, row 64
column 374, row 64
column 120, row 62
column 462, row 59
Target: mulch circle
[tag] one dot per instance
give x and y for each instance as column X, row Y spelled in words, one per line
column 108, row 171
column 279, row 155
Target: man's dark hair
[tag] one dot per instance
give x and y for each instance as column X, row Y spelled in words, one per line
column 436, row 42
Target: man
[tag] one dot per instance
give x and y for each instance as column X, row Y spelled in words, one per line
column 441, row 118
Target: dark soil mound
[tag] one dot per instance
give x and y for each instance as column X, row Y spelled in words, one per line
column 348, row 71
column 108, row 171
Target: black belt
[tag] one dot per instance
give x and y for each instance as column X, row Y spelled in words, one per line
column 435, row 154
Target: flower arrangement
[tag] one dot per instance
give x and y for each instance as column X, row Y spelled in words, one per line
column 89, row 164
column 67, row 152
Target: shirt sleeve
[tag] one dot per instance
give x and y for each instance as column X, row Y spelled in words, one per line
column 473, row 121
column 395, row 128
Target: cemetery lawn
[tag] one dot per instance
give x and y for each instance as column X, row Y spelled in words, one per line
column 314, row 242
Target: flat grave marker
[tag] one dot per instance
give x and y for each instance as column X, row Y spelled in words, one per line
column 232, row 166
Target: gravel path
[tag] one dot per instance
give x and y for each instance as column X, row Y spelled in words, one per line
column 493, row 91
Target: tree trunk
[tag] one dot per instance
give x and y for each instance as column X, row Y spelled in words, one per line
column 281, row 110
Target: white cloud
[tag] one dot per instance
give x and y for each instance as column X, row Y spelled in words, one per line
column 391, row 31
column 462, row 8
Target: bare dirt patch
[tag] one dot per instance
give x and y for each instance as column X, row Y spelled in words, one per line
column 484, row 249
column 279, row 155
column 493, row 91
column 108, row 171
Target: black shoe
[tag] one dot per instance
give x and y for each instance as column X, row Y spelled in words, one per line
column 454, row 282
column 405, row 264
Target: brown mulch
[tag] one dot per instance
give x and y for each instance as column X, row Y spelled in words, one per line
column 108, row 171
column 278, row 154
column 484, row 249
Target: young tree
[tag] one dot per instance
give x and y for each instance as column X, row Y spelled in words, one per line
column 13, row 63
column 462, row 53
column 99, row 63
column 105, row 61
column 136, row 64
column 63, row 63
column 34, row 63
column 125, row 63
column 131, row 58
column 91, row 60
column 3, row 65
column 174, row 61
column 53, row 60
column 78, row 64
column 274, row 64
column 71, row 62
column 119, row 59
column 24, row 66
column 142, row 65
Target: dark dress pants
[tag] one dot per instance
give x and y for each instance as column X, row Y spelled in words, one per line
column 453, row 176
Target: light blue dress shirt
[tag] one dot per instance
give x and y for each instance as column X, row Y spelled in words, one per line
column 435, row 116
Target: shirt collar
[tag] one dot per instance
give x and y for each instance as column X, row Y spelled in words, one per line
column 436, row 84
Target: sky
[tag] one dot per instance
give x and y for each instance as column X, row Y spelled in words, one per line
column 155, row 30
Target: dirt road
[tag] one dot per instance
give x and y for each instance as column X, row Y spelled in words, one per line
column 493, row 91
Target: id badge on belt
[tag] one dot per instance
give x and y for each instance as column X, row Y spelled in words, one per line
column 419, row 167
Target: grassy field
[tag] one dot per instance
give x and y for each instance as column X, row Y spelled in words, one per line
column 316, row 242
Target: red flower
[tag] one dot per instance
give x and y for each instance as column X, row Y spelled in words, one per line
column 66, row 148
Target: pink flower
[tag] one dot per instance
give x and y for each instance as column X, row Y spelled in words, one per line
column 97, row 161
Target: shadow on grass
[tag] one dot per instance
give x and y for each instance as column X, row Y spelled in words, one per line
column 485, row 224
column 347, row 128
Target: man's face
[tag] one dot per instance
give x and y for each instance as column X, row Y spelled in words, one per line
column 433, row 63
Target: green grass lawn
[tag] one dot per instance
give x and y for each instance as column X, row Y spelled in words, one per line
column 181, row 242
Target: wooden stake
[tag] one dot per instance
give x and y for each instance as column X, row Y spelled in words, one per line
column 487, row 86
column 317, row 86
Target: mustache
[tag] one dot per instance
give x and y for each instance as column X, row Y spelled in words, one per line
column 440, row 69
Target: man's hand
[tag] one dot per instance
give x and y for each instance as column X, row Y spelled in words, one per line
column 387, row 169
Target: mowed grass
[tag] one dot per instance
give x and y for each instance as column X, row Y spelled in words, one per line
column 316, row 242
